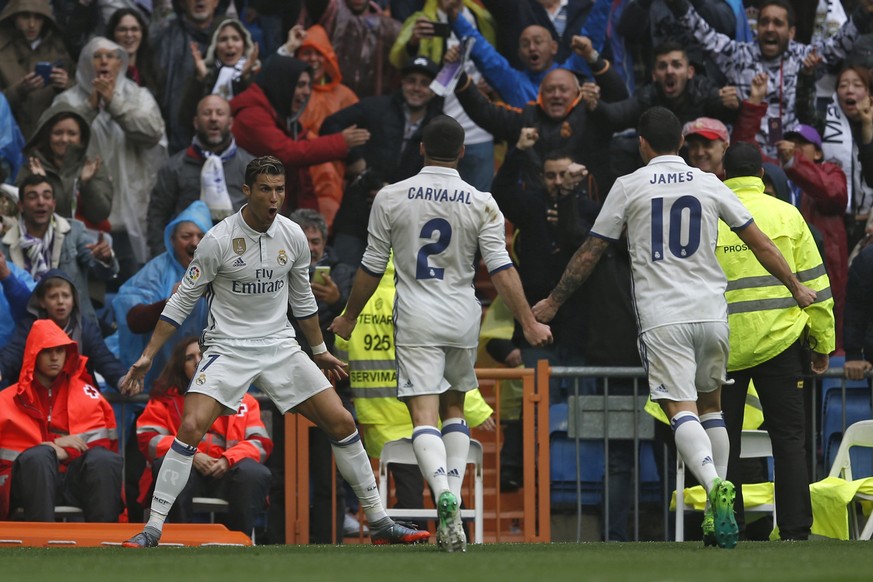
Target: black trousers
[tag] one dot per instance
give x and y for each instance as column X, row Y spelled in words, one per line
column 780, row 385
column 92, row 482
column 244, row 487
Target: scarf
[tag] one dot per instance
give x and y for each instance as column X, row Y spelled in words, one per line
column 839, row 146
column 37, row 249
column 213, row 186
column 225, row 78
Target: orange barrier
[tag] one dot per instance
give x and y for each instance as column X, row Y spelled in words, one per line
column 25, row 533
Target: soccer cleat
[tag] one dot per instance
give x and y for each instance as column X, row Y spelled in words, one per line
column 450, row 530
column 397, row 533
column 708, row 528
column 721, row 499
column 141, row 540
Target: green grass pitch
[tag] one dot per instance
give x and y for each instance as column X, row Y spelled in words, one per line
column 823, row 561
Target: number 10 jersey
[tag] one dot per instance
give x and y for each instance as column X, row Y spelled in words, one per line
column 671, row 211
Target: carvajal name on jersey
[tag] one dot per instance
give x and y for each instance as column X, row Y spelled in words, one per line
column 438, row 195
column 671, row 178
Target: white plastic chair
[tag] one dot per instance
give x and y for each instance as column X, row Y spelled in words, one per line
column 753, row 444
column 859, row 434
column 400, row 451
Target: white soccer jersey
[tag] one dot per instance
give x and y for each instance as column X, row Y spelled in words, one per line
column 248, row 278
column 672, row 210
column 435, row 221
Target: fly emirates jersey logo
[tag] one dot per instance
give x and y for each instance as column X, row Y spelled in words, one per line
column 263, row 283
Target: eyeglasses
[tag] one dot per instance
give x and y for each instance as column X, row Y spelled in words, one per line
column 128, row 29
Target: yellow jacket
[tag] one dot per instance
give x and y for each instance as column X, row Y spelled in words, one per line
column 373, row 376
column 763, row 317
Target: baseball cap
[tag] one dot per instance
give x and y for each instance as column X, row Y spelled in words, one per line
column 805, row 132
column 707, row 127
column 421, row 64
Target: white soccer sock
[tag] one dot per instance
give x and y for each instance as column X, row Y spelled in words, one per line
column 713, row 424
column 172, row 478
column 430, row 452
column 354, row 465
column 694, row 446
column 456, row 439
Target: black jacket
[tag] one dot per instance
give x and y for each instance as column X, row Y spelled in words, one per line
column 858, row 321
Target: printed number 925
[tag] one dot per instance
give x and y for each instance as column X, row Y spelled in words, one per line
column 377, row 342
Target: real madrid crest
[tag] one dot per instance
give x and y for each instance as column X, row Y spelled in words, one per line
column 282, row 258
column 239, row 245
column 201, row 380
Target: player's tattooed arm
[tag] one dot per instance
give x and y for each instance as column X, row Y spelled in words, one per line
column 578, row 269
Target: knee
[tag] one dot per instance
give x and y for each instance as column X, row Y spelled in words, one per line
column 190, row 432
column 102, row 458
column 37, row 455
column 341, row 426
column 251, row 471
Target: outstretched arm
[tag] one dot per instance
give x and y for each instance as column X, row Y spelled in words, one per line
column 578, row 269
column 770, row 257
column 132, row 382
column 362, row 289
column 509, row 286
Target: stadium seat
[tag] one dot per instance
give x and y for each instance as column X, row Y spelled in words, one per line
column 564, row 461
column 857, row 408
column 859, row 434
column 754, row 444
column 62, row 513
column 400, row 451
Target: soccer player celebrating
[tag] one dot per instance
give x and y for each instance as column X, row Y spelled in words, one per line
column 671, row 211
column 435, row 222
column 251, row 266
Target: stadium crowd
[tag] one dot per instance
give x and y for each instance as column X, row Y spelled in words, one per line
column 127, row 126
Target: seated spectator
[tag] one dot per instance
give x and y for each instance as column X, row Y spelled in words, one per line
column 127, row 132
column 57, row 151
column 56, row 298
column 559, row 119
column 212, row 169
column 11, row 143
column 417, row 39
column 17, row 286
column 129, row 29
column 59, row 432
column 362, row 36
column 706, row 141
column 194, row 22
column 675, row 85
column 231, row 62
column 536, row 49
column 139, row 302
column 775, row 52
column 266, row 122
column 329, row 95
column 29, row 36
column 395, row 123
column 39, row 240
column 858, row 325
column 229, row 462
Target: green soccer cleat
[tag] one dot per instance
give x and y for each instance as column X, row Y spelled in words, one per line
column 721, row 499
column 450, row 531
column 708, row 528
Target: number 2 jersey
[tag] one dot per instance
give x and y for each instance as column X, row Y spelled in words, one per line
column 434, row 222
column 671, row 211
column 248, row 278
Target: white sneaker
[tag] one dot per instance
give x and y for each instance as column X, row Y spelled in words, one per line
column 352, row 527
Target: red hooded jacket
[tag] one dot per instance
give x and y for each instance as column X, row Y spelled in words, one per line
column 31, row 414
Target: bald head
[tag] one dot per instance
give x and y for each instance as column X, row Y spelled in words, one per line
column 537, row 48
column 558, row 91
column 213, row 122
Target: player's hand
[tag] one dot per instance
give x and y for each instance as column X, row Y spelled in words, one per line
column 819, row 363
column 488, row 425
column 545, row 310
column 132, row 382
column 71, row 441
column 343, row 326
column 334, row 368
column 203, row 463
column 856, row 369
column 804, row 296
column 513, row 360
column 219, row 468
column 538, row 334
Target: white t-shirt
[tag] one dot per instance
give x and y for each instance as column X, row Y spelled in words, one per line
column 248, row 278
column 672, row 210
column 434, row 222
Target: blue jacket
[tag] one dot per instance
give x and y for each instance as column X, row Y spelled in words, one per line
column 153, row 283
column 13, row 299
column 84, row 330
